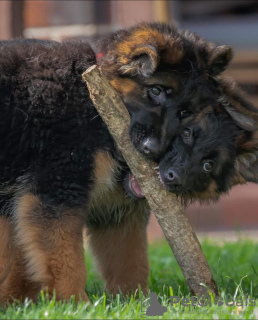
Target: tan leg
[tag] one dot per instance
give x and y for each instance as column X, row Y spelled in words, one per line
column 6, row 247
column 52, row 247
column 16, row 284
column 121, row 252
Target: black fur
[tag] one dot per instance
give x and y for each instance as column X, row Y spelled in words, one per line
column 195, row 85
column 50, row 130
column 59, row 166
column 212, row 139
column 47, row 122
column 215, row 140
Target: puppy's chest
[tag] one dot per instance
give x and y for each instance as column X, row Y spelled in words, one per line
column 108, row 203
column 105, row 174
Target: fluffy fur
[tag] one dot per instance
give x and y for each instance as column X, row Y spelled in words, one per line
column 59, row 166
column 209, row 157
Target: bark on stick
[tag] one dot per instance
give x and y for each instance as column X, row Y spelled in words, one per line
column 168, row 211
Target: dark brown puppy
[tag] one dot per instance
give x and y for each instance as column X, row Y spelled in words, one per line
column 209, row 157
column 59, row 167
column 164, row 77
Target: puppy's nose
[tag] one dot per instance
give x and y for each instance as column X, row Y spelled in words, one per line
column 172, row 177
column 151, row 147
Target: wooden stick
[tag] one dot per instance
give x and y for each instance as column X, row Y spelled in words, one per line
column 168, row 211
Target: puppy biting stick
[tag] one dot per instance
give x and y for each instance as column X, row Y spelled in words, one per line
column 168, row 211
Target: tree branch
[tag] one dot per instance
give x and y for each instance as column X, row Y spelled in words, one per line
column 168, row 211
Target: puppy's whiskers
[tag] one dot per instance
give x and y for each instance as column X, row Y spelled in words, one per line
column 193, row 191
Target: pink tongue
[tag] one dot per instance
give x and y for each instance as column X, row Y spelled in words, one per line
column 135, row 186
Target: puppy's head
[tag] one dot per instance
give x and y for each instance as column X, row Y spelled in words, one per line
column 200, row 163
column 164, row 77
column 208, row 157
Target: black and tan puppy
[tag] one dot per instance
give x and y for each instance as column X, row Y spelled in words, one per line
column 164, row 77
column 207, row 158
column 59, row 167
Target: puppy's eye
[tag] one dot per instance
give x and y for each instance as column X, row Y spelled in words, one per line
column 208, row 166
column 155, row 91
column 158, row 95
column 187, row 133
column 183, row 113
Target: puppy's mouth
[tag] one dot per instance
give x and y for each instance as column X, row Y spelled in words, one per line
column 132, row 187
column 176, row 189
column 160, row 176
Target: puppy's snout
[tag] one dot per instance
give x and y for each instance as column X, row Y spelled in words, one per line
column 151, row 147
column 173, row 178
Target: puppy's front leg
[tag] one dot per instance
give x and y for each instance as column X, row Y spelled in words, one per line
column 53, row 247
column 121, row 253
column 6, row 247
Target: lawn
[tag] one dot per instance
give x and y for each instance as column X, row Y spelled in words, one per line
column 235, row 269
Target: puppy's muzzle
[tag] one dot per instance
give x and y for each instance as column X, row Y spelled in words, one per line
column 152, row 148
column 174, row 179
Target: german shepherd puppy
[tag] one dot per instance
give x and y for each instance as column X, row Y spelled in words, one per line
column 59, row 167
column 207, row 158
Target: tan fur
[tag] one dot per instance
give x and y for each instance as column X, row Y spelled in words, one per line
column 121, row 249
column 52, row 248
column 113, row 205
column 6, row 247
column 237, row 179
column 50, row 253
column 173, row 53
column 107, row 198
column 16, row 285
column 210, row 193
column 129, row 68
column 144, row 40
column 125, row 86
column 137, row 39
column 104, row 174
column 129, row 88
column 251, row 144
column 121, row 253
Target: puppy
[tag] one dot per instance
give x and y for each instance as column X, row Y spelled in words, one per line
column 60, row 169
column 220, row 150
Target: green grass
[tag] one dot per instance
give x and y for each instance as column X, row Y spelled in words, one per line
column 235, row 269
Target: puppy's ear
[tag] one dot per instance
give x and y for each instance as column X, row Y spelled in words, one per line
column 246, row 168
column 141, row 61
column 241, row 110
column 244, row 121
column 220, row 59
column 235, row 97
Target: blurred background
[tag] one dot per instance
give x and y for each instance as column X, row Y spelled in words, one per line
column 233, row 22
